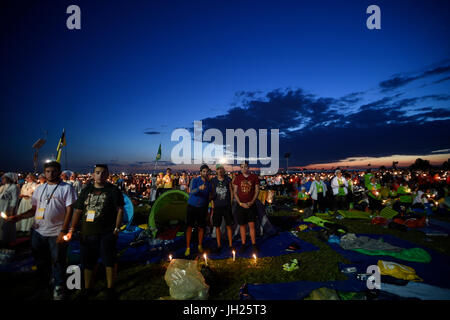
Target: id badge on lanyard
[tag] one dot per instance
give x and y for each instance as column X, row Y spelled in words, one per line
column 40, row 213
column 90, row 216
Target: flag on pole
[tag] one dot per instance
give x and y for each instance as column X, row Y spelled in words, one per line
column 61, row 144
column 158, row 156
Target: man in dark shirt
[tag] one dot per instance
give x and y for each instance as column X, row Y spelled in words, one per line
column 246, row 189
column 100, row 208
column 222, row 195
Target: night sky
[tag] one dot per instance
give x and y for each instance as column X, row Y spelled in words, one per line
column 137, row 70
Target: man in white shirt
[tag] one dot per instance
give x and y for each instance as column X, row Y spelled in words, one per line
column 339, row 186
column 52, row 211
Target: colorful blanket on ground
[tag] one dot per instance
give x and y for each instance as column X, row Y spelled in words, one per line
column 413, row 254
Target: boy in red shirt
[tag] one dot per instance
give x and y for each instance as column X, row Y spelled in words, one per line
column 246, row 189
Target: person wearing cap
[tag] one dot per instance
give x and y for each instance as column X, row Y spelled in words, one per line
column 100, row 209
column 318, row 191
column 246, row 189
column 339, row 186
column 222, row 196
column 9, row 199
column 52, row 211
column 197, row 208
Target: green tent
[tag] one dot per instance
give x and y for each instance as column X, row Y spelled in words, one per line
column 171, row 205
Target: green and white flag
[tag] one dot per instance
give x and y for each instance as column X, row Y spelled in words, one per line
column 158, row 156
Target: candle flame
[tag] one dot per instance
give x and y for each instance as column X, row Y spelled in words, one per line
column 170, row 257
column 66, row 237
column 4, row 216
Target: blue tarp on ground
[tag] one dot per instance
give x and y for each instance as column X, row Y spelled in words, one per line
column 300, row 289
column 268, row 247
column 433, row 273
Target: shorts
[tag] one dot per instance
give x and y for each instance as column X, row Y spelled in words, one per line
column 196, row 216
column 98, row 245
column 224, row 212
column 245, row 215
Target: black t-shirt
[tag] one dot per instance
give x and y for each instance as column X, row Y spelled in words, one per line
column 102, row 203
column 221, row 191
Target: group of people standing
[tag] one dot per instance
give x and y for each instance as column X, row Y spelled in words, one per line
column 223, row 191
column 56, row 211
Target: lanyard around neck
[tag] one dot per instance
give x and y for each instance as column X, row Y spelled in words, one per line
column 51, row 195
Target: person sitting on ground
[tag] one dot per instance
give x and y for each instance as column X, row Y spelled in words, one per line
column 303, row 198
column 374, row 192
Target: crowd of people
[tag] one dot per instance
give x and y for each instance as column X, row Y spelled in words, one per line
column 50, row 207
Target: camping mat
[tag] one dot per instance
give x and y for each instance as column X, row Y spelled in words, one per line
column 300, row 289
column 433, row 273
column 354, row 214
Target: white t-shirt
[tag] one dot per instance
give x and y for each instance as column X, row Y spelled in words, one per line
column 54, row 210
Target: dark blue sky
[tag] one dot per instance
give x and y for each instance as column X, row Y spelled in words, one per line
column 310, row 68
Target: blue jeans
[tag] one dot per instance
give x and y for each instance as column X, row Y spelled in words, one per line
column 50, row 258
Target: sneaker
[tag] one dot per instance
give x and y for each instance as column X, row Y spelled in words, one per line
column 200, row 249
column 243, row 248
column 187, row 252
column 58, row 293
column 255, row 248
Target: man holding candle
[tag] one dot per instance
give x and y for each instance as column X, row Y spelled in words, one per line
column 100, row 208
column 246, row 189
column 222, row 196
column 52, row 210
column 197, row 209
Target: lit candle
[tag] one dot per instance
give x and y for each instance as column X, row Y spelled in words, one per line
column 170, row 257
column 206, row 259
column 66, row 238
column 254, row 257
column 234, row 255
column 4, row 216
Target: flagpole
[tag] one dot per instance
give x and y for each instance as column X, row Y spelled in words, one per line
column 65, row 153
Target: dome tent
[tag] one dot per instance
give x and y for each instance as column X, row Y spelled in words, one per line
column 171, row 205
column 128, row 213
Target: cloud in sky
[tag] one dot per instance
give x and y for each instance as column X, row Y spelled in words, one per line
column 400, row 80
column 323, row 129
column 151, row 133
